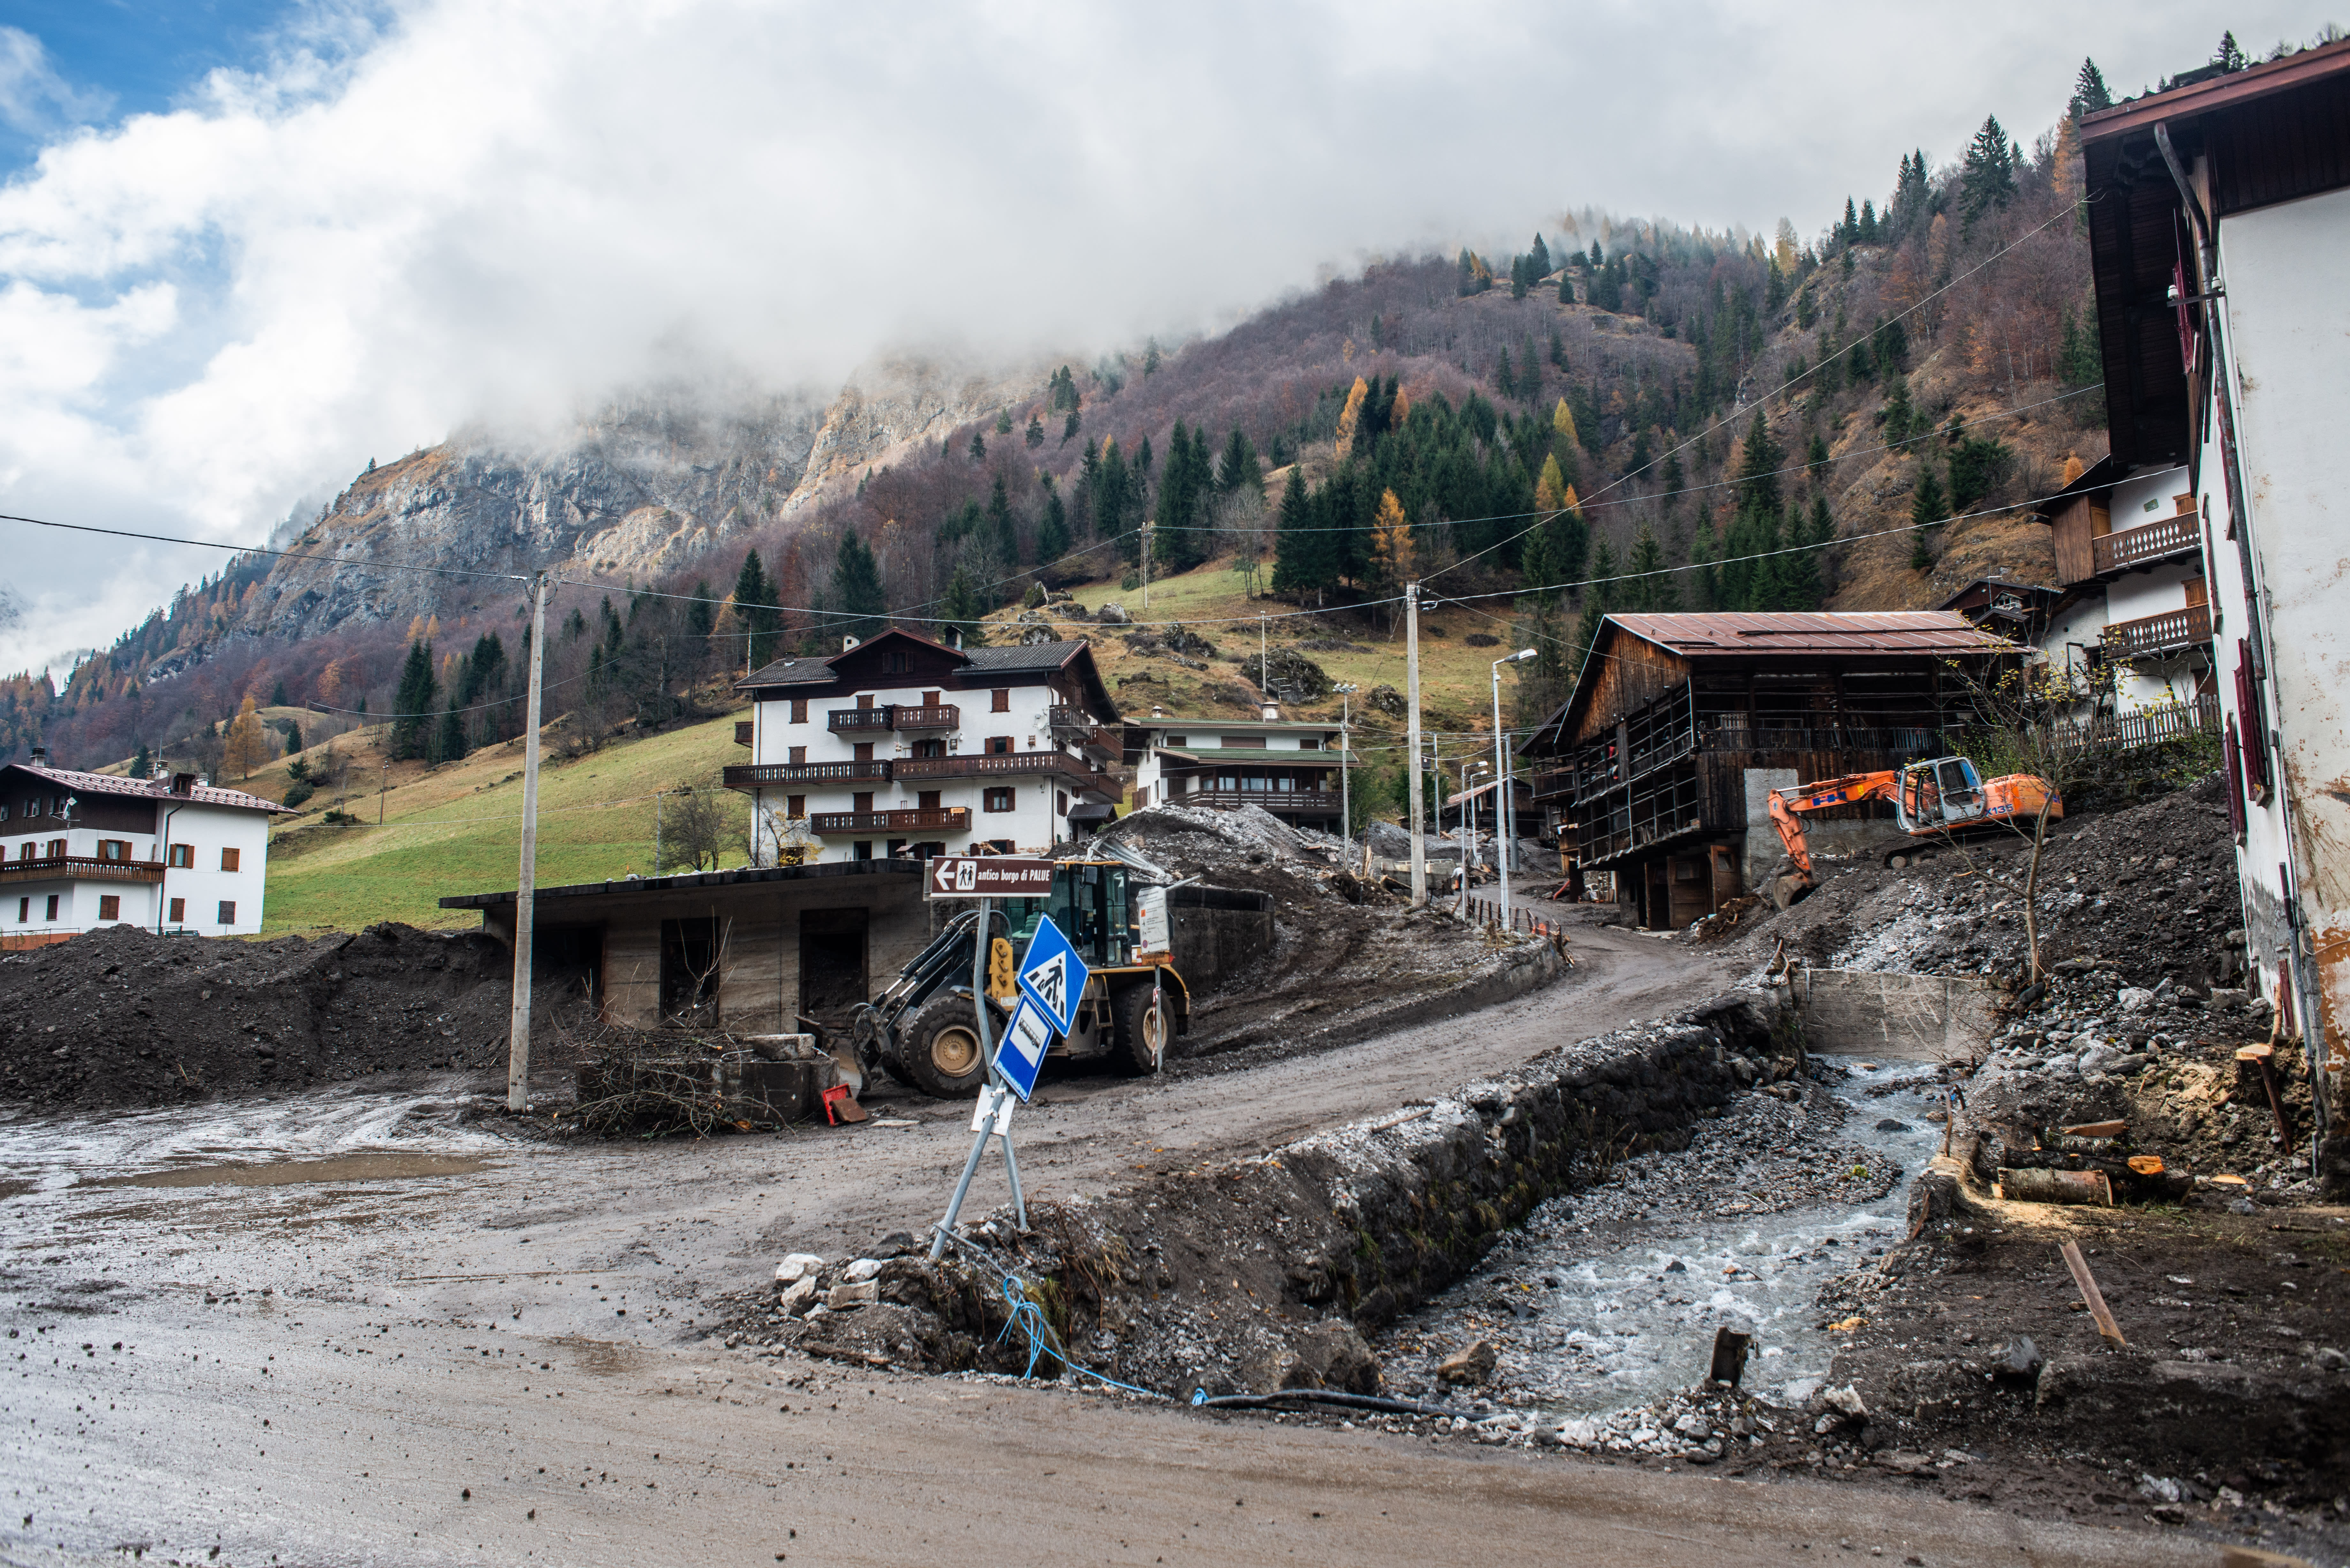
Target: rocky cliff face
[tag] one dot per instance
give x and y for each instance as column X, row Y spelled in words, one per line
column 641, row 491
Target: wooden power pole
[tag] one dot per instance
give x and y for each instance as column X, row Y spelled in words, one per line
column 526, row 884
column 1411, row 745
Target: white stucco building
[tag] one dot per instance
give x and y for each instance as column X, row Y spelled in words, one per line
column 2134, row 608
column 2218, row 219
column 903, row 746
column 1293, row 771
column 169, row 854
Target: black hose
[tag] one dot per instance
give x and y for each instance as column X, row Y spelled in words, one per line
column 1202, row 1398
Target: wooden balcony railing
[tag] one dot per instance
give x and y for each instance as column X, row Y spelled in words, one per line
column 894, row 716
column 80, row 868
column 2151, row 637
column 751, row 775
column 2151, row 542
column 1318, row 802
column 921, row 819
column 1005, row 764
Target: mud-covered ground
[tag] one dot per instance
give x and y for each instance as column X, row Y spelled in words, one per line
column 2150, row 889
column 1349, row 958
column 122, row 1017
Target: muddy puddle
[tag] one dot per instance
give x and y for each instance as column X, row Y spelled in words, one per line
column 327, row 1136
column 1610, row 1297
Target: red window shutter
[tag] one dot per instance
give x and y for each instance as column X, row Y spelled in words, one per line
column 2255, row 740
column 2233, row 755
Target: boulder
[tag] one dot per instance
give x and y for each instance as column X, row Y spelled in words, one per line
column 1471, row 1364
column 797, row 1266
column 1113, row 614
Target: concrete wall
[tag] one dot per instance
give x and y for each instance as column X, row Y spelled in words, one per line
column 1910, row 1017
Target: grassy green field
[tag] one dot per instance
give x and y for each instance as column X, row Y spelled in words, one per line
column 455, row 828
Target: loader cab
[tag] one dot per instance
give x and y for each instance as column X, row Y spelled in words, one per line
column 1939, row 794
column 1089, row 904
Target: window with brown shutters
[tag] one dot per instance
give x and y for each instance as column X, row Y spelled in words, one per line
column 228, row 912
column 2232, row 757
column 182, row 857
column 798, row 755
column 2255, row 736
column 110, row 906
column 230, row 859
column 795, row 807
column 799, row 710
column 58, row 849
column 999, row 799
column 1000, row 700
column 179, row 911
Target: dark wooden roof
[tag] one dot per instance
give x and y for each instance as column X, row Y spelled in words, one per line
column 2273, row 133
column 695, row 881
column 1023, row 664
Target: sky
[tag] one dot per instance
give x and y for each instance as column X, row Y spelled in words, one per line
column 247, row 245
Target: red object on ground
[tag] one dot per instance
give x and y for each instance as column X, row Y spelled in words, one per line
column 837, row 1097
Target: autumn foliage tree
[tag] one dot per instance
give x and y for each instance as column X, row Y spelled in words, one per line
column 246, row 745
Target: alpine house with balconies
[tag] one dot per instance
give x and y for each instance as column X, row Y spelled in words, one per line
column 901, row 746
column 1293, row 771
column 2134, row 587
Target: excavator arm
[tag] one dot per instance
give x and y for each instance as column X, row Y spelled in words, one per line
column 1788, row 804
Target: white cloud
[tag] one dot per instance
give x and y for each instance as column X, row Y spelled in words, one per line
column 502, row 208
column 34, row 98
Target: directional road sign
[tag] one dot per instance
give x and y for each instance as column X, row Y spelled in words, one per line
column 989, row 876
column 1022, row 1054
column 1053, row 976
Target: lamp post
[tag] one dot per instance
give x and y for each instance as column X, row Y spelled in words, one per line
column 1501, row 779
column 1467, row 857
column 1345, row 795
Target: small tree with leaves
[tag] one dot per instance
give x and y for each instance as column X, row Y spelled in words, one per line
column 246, row 745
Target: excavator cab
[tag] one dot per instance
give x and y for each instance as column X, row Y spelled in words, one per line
column 1938, row 793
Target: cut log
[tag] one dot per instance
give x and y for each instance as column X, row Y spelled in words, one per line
column 2146, row 1164
column 2094, row 1130
column 2034, row 1186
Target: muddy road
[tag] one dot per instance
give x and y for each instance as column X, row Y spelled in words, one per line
column 378, row 1327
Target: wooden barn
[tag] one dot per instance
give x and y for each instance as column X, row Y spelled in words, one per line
column 1658, row 766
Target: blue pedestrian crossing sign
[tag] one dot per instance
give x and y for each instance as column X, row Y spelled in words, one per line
column 1020, row 1054
column 1053, row 976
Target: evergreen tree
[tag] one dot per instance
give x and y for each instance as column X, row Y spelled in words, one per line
column 754, row 611
column 1505, row 379
column 1598, row 600
column 1567, row 285
column 2089, row 94
column 1240, row 469
column 978, row 447
column 1036, row 436
column 2080, row 361
column 1295, row 566
column 1848, row 231
column 1815, row 456
column 1987, row 175
column 1896, row 411
column 278, row 695
column 449, row 745
column 1002, row 536
column 142, row 765
column 1540, row 257
column 1800, row 572
column 1867, row 233
column 856, row 591
column 293, row 744
column 1069, row 428
column 961, row 608
column 2228, row 57
column 1650, row 588
column 1926, row 507
column 1053, row 533
column 1759, row 461
column 1705, row 550
column 412, row 702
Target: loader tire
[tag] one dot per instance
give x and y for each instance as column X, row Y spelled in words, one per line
column 942, row 1050
column 1142, row 1030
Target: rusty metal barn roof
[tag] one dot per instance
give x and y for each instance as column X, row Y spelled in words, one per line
column 1813, row 631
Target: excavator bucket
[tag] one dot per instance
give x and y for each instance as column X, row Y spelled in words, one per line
column 1788, row 889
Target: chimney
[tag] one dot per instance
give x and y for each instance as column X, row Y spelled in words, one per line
column 1272, row 714
column 847, row 643
column 954, row 638
column 40, row 756
column 184, row 783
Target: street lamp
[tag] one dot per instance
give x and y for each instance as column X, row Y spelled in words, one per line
column 1468, row 829
column 1345, row 795
column 1502, row 780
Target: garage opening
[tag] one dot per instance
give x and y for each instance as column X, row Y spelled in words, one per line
column 832, row 964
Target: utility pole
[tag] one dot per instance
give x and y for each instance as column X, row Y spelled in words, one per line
column 1345, row 755
column 1147, row 525
column 1263, row 670
column 1411, row 744
column 1506, row 836
column 526, row 883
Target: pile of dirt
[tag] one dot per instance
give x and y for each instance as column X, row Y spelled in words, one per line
column 1984, row 1376
column 1349, row 958
column 2152, row 889
column 120, row 1016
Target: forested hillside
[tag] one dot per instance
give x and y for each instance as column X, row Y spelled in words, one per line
column 1625, row 415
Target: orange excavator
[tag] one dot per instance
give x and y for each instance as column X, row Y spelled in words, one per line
column 1930, row 800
